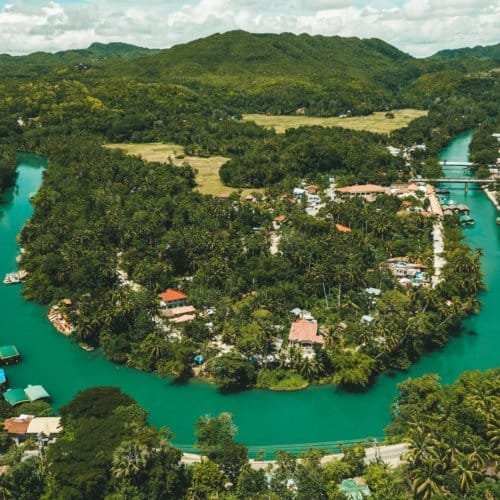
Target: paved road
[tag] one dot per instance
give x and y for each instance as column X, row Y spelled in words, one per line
column 390, row 454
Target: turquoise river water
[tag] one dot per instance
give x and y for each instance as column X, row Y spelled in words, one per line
column 318, row 414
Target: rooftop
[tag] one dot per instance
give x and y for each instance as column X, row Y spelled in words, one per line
column 303, row 330
column 17, row 425
column 15, row 396
column 171, row 295
column 343, row 229
column 8, row 351
column 45, row 425
column 35, row 392
column 362, row 189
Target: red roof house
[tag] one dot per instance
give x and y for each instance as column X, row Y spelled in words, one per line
column 173, row 298
column 304, row 331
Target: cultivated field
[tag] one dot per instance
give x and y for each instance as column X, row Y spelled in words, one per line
column 207, row 177
column 376, row 122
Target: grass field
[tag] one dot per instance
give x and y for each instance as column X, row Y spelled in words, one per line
column 207, row 178
column 376, row 122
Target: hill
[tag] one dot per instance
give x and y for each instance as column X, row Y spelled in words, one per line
column 325, row 74
column 479, row 52
column 44, row 63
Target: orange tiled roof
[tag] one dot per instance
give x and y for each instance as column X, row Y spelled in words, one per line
column 171, row 295
column 362, row 189
column 305, row 331
column 17, row 425
column 343, row 229
column 280, row 218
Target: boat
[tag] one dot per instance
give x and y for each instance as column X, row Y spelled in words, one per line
column 58, row 318
column 11, row 279
column 498, row 220
column 16, row 277
column 466, row 220
column 86, row 347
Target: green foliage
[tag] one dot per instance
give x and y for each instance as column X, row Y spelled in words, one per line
column 231, row 372
column 97, row 402
column 452, row 431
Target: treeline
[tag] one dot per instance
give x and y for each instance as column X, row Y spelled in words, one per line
column 7, row 167
column 308, row 151
column 107, row 451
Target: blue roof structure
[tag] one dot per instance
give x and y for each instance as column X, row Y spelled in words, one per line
column 3, row 377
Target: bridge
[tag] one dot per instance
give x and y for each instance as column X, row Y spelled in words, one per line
column 450, row 180
column 456, row 180
column 451, row 163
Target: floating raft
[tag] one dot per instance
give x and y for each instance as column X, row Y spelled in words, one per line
column 9, row 355
column 31, row 393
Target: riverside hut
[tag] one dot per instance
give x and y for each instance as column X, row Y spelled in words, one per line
column 31, row 393
column 9, row 355
column 15, row 396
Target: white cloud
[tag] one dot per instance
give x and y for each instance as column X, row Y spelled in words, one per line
column 417, row 26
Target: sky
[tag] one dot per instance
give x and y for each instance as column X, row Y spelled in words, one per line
column 419, row 27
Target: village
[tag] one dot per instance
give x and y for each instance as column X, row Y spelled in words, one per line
column 304, row 333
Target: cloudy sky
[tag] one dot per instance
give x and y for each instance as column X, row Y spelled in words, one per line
column 420, row 27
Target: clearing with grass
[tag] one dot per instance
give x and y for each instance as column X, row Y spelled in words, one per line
column 207, row 176
column 376, row 122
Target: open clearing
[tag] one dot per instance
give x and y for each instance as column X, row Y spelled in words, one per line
column 207, row 178
column 376, row 122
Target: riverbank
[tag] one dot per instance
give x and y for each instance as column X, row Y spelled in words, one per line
column 392, row 455
column 492, row 196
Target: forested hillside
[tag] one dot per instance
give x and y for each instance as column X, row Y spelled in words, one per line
column 46, row 64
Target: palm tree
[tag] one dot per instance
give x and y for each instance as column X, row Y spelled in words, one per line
column 451, row 448
column 129, row 460
column 466, row 474
column 422, row 445
column 478, row 453
column 425, row 480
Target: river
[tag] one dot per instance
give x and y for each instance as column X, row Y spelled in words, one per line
column 318, row 414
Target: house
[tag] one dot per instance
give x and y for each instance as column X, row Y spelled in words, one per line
column 279, row 220
column 299, row 192
column 171, row 298
column 17, row 427
column 250, row 198
column 181, row 314
column 342, row 229
column 312, row 189
column 305, row 333
column 368, row 191
column 25, row 426
column 373, row 291
column 45, row 426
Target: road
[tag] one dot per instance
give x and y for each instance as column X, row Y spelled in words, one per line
column 390, row 454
